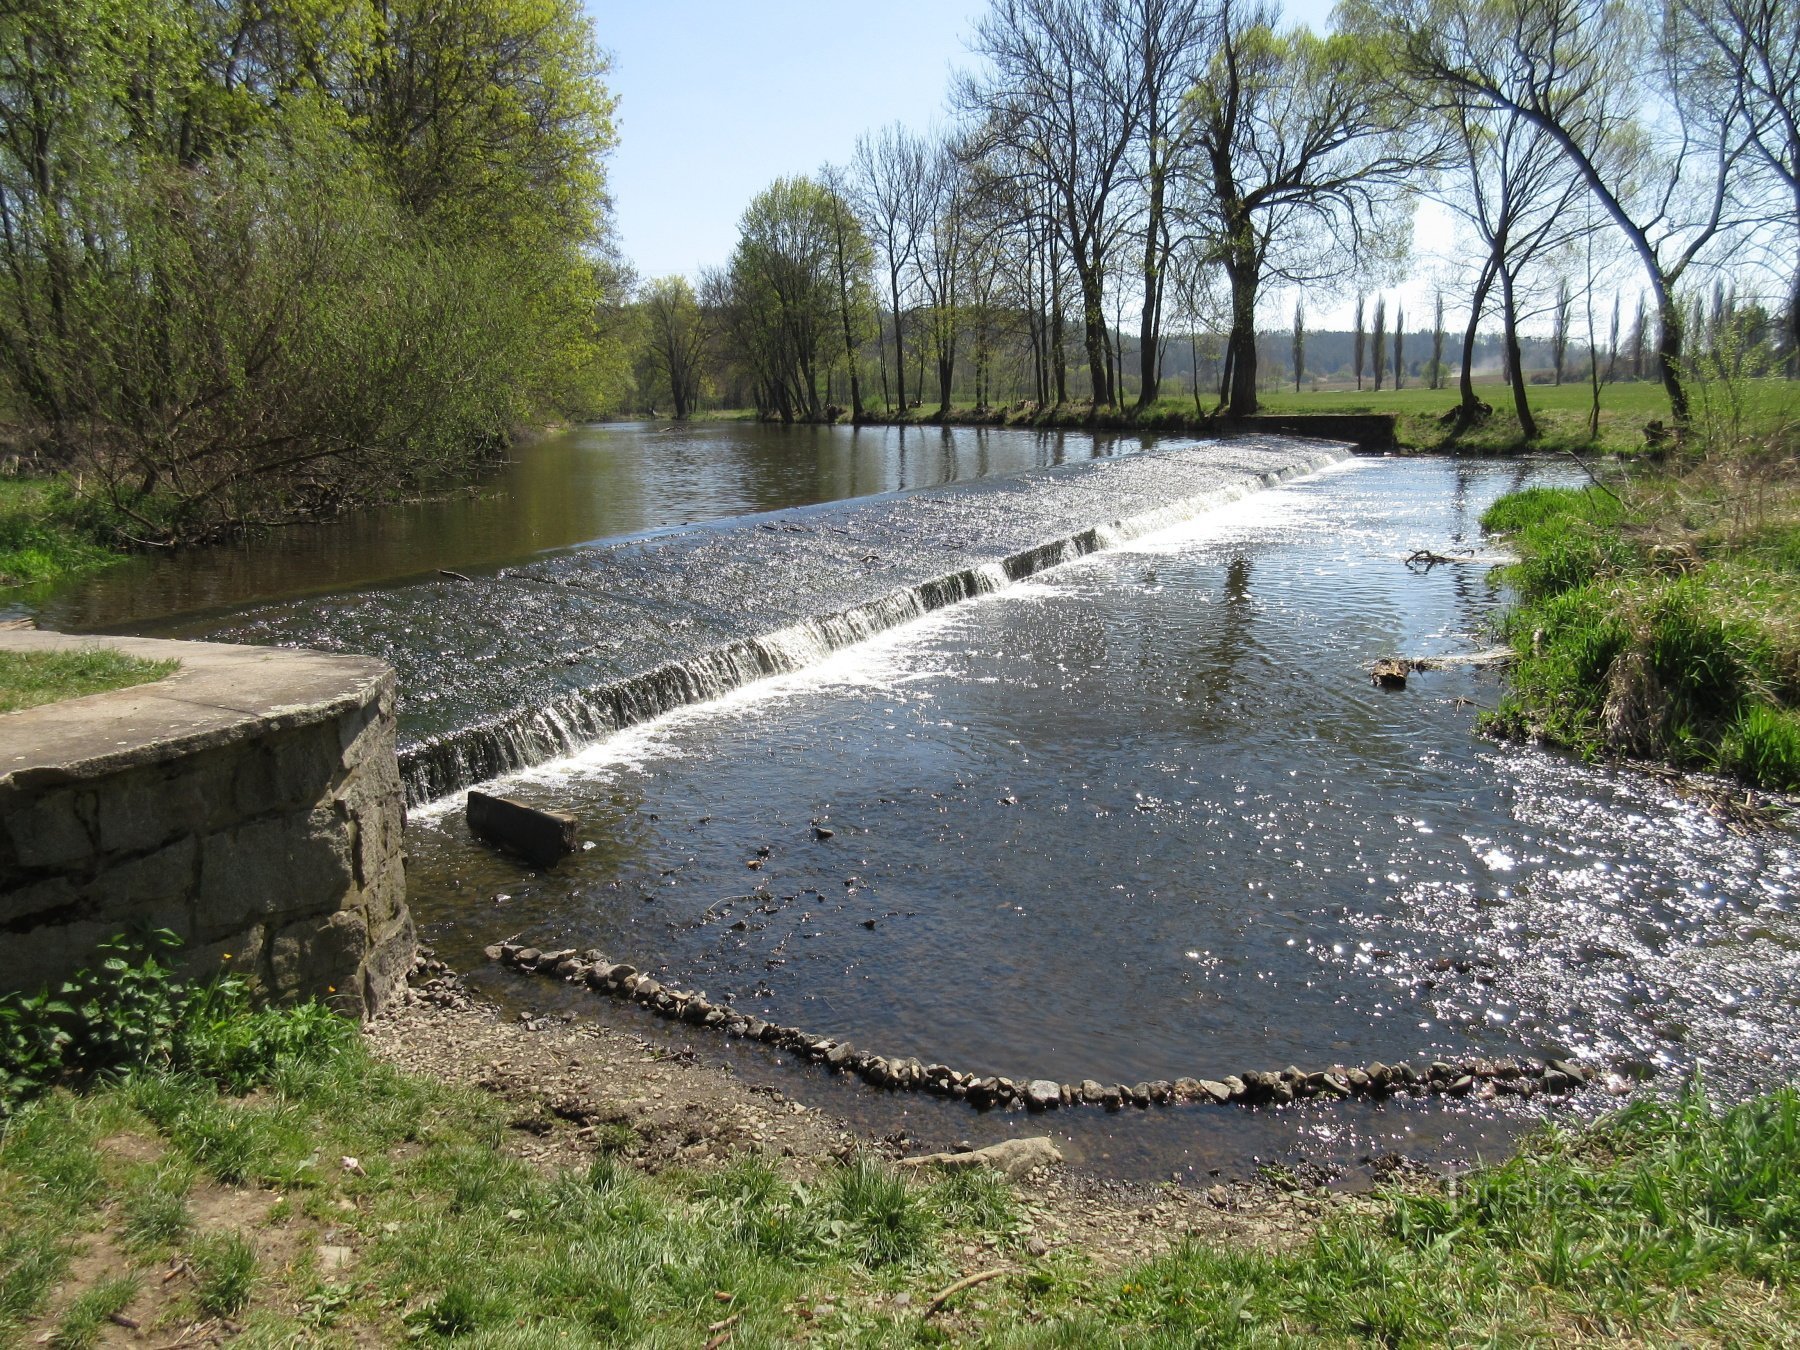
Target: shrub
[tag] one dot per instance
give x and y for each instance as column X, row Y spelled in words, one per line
column 132, row 1011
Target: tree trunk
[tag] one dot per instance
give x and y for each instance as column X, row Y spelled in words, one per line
column 1240, row 346
column 1515, row 361
column 1149, row 326
column 1470, row 405
column 1093, row 318
column 899, row 340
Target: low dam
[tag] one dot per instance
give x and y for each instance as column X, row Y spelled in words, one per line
column 499, row 672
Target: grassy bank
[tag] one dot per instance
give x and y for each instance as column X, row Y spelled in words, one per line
column 1562, row 413
column 258, row 1174
column 1661, row 618
column 45, row 533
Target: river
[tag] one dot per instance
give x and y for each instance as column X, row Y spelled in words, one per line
column 1135, row 816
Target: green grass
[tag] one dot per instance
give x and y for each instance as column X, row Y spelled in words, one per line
column 31, row 678
column 1662, row 620
column 1670, row 1222
column 45, row 533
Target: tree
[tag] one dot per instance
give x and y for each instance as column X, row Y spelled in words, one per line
column 779, row 297
column 1559, row 328
column 1302, row 154
column 1358, row 338
column 890, row 177
column 1055, row 94
column 851, row 264
column 676, row 339
column 1437, row 341
column 1745, row 54
column 264, row 261
column 1299, row 341
column 1577, row 71
column 1399, row 345
column 1378, row 340
column 941, row 257
column 1637, row 340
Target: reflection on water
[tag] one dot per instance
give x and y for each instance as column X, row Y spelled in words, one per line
column 574, row 487
column 1145, row 817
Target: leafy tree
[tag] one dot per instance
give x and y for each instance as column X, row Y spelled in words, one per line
column 1303, row 154
column 676, row 339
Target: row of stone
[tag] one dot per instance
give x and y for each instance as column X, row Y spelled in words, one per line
column 1482, row 1077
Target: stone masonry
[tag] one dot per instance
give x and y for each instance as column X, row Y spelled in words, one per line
column 251, row 802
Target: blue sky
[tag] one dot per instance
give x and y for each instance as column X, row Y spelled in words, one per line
column 716, row 100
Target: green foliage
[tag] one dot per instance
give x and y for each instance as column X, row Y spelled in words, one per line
column 224, row 1270
column 886, row 1222
column 31, row 678
column 1629, row 643
column 266, row 261
column 154, row 1207
column 134, row 1012
column 45, row 533
column 1763, row 746
column 81, row 1325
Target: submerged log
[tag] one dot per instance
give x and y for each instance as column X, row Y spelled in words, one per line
column 539, row 837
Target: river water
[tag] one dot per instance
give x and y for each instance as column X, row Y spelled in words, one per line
column 574, row 487
column 1144, row 816
column 1136, row 816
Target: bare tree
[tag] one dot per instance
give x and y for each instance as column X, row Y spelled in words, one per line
column 1578, row 71
column 1058, row 93
column 889, row 170
column 851, row 262
column 1747, row 54
column 940, row 259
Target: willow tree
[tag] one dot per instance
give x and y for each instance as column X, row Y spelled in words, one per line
column 1303, row 154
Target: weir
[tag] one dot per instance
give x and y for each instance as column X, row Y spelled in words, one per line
column 505, row 671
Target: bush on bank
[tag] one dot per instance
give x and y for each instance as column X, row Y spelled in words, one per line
column 1661, row 623
column 1676, row 1220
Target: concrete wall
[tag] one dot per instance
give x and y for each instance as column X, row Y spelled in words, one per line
column 251, row 802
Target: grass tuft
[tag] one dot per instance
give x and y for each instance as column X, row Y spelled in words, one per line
column 224, row 1270
column 32, row 679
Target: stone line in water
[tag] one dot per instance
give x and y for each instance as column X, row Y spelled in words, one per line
column 572, row 720
column 1481, row 1078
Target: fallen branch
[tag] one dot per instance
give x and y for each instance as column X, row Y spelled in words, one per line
column 966, row 1282
column 446, row 572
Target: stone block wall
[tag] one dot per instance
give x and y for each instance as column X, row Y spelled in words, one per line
column 251, row 802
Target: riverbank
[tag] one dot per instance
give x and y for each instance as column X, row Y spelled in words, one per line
column 450, row 1174
column 1418, row 416
column 1656, row 615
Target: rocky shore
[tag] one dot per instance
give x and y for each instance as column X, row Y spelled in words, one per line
column 577, row 1089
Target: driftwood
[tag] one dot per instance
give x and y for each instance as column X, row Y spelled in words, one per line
column 966, row 1282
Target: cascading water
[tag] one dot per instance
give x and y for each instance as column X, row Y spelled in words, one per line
column 502, row 672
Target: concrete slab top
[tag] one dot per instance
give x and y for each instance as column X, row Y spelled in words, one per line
column 222, row 693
